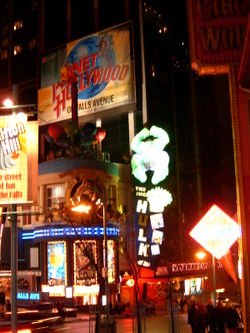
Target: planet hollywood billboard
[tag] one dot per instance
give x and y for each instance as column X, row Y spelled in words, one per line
column 103, row 64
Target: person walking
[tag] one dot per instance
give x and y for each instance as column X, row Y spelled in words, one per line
column 2, row 302
column 193, row 317
column 220, row 317
column 211, row 317
column 232, row 319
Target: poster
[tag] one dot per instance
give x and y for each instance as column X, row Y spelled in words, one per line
column 85, row 271
column 56, row 263
column 13, row 159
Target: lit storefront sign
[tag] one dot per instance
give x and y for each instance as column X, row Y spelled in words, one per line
column 16, row 155
column 28, row 296
column 103, row 65
column 53, row 291
column 86, row 290
column 62, row 232
column 57, row 272
column 149, row 158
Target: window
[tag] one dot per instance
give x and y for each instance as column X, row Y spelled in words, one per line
column 5, row 42
column 18, row 25
column 55, row 194
column 4, row 54
column 32, row 43
column 17, row 49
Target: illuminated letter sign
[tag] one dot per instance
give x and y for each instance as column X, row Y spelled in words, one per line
column 142, row 206
column 143, row 250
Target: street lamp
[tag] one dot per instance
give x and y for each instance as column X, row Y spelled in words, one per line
column 201, row 255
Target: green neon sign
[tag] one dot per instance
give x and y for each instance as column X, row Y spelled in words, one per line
column 148, row 155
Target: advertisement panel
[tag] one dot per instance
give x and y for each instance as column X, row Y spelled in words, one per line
column 18, row 159
column 103, row 64
column 13, row 159
column 57, row 263
column 85, row 271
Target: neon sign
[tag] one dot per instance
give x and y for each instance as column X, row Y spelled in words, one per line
column 149, row 156
column 28, row 296
column 57, row 232
column 148, row 146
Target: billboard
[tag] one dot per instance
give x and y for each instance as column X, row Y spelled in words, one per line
column 216, row 31
column 16, row 156
column 103, row 64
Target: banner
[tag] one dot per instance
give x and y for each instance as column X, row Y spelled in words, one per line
column 103, row 64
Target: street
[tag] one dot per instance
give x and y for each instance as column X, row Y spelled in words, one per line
column 154, row 324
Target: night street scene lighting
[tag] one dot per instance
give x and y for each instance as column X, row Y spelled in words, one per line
column 129, row 162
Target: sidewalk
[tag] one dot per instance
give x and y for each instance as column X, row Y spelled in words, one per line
column 151, row 324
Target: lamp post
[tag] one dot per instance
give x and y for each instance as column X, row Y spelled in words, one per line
column 84, row 207
column 201, row 255
column 105, row 262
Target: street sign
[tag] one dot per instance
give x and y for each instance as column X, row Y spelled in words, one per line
column 216, row 232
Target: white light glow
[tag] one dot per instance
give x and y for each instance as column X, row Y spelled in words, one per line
column 216, row 232
column 158, row 199
column 8, row 103
column 81, row 209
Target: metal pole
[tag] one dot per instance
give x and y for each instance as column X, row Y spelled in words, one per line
column 144, row 88
column 105, row 263
column 14, row 270
column 214, row 282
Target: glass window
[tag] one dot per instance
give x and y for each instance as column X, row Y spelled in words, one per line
column 55, row 194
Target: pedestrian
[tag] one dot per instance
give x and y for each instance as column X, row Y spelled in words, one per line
column 8, row 305
column 202, row 318
column 232, row 319
column 193, row 317
column 211, row 317
column 220, row 317
column 2, row 302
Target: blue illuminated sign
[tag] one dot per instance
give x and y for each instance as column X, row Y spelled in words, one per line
column 60, row 232
column 28, row 296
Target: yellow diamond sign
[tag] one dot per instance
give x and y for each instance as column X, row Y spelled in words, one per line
column 216, row 232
